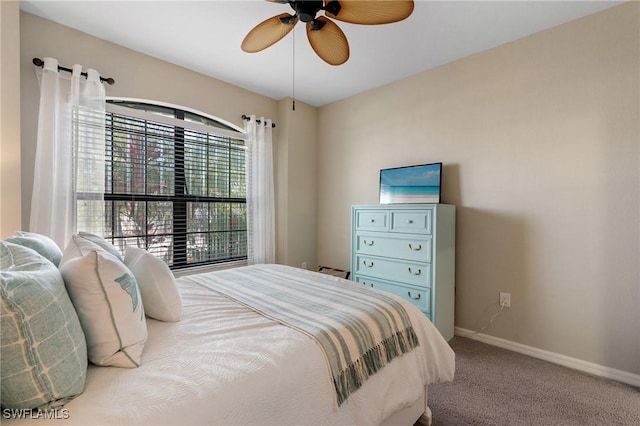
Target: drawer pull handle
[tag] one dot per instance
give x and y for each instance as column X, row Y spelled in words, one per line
column 372, row 220
column 409, row 221
column 368, row 265
column 370, row 243
column 411, row 272
column 414, row 298
column 415, row 249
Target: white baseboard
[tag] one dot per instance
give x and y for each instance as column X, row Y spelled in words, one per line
column 566, row 361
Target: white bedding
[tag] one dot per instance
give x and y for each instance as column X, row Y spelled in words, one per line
column 225, row 364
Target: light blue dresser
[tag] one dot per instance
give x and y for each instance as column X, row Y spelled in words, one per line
column 408, row 250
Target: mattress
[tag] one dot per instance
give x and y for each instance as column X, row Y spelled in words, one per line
column 223, row 363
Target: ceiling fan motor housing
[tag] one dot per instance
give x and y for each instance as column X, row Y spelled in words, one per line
column 307, row 10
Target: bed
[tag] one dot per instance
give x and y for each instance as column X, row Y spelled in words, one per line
column 226, row 363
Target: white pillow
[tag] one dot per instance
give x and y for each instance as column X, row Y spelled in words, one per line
column 104, row 244
column 158, row 287
column 81, row 243
column 106, row 296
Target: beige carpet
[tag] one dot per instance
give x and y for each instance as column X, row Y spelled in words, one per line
column 494, row 386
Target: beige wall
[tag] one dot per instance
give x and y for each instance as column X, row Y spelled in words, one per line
column 10, row 207
column 144, row 77
column 540, row 141
column 296, row 181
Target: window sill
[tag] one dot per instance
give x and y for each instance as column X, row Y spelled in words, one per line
column 208, row 268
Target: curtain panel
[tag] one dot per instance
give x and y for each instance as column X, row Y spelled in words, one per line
column 69, row 166
column 260, row 191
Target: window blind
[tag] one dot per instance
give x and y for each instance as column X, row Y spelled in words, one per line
column 174, row 187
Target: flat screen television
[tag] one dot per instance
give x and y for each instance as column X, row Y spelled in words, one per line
column 411, row 184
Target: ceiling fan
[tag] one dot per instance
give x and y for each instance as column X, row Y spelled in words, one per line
column 325, row 37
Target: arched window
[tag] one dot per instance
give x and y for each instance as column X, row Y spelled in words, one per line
column 175, row 184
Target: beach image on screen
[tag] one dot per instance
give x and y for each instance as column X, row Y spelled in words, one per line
column 415, row 184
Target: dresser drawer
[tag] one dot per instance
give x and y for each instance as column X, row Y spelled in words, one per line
column 420, row 298
column 417, row 221
column 406, row 272
column 372, row 220
column 416, row 248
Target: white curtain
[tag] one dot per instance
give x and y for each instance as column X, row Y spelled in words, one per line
column 260, row 193
column 68, row 183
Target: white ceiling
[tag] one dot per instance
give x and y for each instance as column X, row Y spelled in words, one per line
column 205, row 36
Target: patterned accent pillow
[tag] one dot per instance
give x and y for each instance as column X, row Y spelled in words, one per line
column 44, row 245
column 43, row 348
column 158, row 287
column 106, row 296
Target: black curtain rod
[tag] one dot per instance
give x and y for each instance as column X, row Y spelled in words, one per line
column 39, row 63
column 246, row 117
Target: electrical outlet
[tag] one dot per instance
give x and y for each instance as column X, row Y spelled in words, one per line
column 505, row 300
column 304, row 265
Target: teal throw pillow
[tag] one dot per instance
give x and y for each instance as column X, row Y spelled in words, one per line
column 44, row 245
column 43, row 348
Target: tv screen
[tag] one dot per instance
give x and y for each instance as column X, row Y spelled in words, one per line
column 411, row 184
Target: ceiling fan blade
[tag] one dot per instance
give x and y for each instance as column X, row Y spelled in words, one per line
column 369, row 12
column 268, row 32
column 328, row 41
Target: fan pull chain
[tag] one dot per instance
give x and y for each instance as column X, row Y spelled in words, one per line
column 293, row 72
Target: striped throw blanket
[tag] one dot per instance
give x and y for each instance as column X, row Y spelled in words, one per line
column 359, row 330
